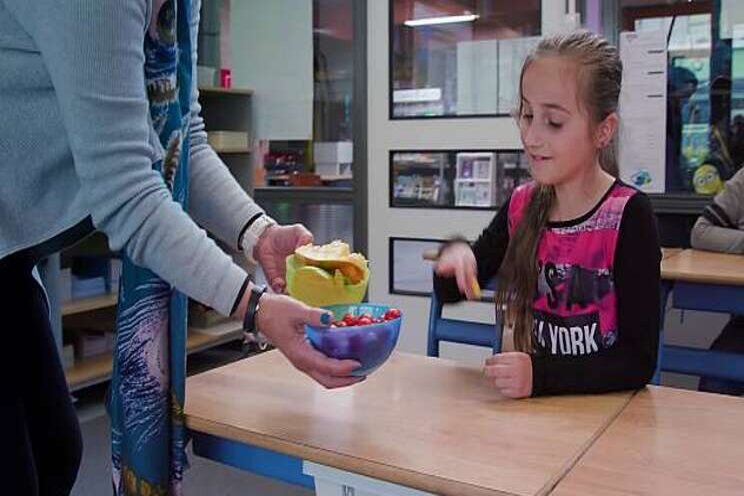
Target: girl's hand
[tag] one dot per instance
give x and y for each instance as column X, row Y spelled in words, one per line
column 458, row 260
column 511, row 373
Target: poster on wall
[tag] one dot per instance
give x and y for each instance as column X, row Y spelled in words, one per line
column 642, row 137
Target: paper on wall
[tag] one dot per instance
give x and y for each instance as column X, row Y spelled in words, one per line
column 643, row 98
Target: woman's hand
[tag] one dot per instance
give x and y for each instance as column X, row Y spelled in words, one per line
column 458, row 260
column 510, row 373
column 274, row 246
column 282, row 320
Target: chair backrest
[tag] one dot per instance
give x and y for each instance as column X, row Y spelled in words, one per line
column 459, row 331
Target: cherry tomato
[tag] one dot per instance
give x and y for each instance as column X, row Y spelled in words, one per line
column 349, row 319
column 364, row 321
column 392, row 314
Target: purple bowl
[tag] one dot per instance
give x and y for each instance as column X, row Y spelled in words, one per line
column 369, row 345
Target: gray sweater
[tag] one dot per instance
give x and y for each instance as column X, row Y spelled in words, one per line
column 77, row 144
column 721, row 227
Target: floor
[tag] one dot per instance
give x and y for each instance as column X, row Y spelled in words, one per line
column 203, row 478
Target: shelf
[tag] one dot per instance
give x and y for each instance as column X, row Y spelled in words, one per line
column 98, row 369
column 231, row 149
column 88, row 304
column 90, row 371
column 216, row 90
column 313, row 195
column 688, row 204
column 411, row 169
column 201, row 339
column 403, row 201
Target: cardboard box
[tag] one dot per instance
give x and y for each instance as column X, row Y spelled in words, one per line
column 333, row 152
column 332, row 169
column 89, row 343
column 228, row 139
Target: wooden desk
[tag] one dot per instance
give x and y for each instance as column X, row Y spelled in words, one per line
column 666, row 442
column 704, row 267
column 706, row 281
column 422, row 423
column 670, row 252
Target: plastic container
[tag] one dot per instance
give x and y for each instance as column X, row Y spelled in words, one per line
column 370, row 345
column 317, row 287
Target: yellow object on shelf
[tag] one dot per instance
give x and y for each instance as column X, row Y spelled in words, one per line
column 317, row 286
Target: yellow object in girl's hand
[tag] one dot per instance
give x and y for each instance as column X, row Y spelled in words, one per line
column 476, row 288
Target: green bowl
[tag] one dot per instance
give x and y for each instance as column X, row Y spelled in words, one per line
column 317, row 287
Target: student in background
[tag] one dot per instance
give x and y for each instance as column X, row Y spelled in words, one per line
column 721, row 228
column 576, row 250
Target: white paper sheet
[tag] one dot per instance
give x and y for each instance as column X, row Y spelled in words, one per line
column 643, row 99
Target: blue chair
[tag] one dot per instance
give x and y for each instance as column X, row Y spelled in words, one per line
column 488, row 335
column 694, row 361
column 460, row 331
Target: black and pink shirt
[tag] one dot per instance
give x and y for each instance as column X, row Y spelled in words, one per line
column 596, row 309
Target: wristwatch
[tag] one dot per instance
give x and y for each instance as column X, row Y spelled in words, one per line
column 251, row 314
column 252, row 234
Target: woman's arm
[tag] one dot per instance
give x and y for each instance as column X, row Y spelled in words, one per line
column 94, row 55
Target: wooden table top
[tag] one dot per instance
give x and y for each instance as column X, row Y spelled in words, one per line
column 426, row 423
column 670, row 252
column 704, row 267
column 432, row 255
column 666, row 442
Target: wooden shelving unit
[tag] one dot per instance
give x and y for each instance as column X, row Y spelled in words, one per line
column 89, row 304
column 232, row 150
column 98, row 369
column 223, row 110
column 230, row 109
column 216, row 90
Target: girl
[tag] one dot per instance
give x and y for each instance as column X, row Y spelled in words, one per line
column 576, row 250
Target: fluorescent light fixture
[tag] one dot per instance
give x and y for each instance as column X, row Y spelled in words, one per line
column 430, row 21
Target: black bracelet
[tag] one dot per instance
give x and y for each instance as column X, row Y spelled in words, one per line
column 245, row 228
column 249, row 321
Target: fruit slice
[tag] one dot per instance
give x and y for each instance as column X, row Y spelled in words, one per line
column 334, row 256
column 318, row 287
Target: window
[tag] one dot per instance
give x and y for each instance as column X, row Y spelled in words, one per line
column 458, row 57
column 705, row 89
column 481, row 179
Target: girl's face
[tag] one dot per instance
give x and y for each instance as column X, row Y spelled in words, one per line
column 556, row 132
